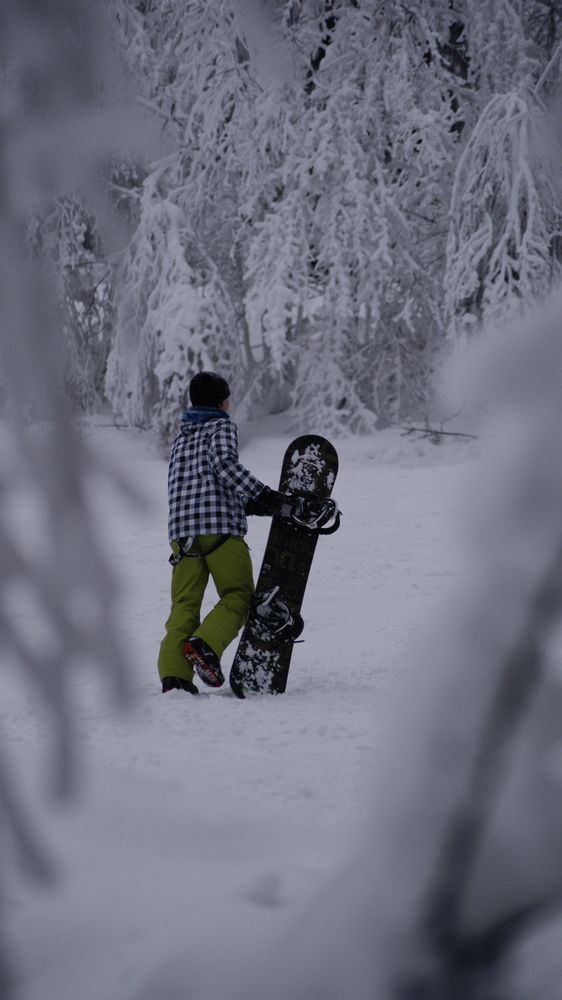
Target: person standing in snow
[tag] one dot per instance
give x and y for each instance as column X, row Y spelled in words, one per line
column 209, row 494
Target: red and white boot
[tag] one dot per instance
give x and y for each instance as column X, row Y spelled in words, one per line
column 206, row 663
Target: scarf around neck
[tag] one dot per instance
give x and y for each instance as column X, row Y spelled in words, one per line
column 202, row 414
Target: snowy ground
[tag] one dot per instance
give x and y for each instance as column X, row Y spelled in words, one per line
column 206, row 824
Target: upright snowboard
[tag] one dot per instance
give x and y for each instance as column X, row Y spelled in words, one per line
column 263, row 657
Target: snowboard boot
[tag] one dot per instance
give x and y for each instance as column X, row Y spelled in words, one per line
column 178, row 684
column 206, row 664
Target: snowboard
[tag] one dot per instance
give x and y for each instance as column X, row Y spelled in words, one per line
column 262, row 660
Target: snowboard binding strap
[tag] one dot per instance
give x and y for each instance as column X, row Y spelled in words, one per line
column 274, row 619
column 320, row 515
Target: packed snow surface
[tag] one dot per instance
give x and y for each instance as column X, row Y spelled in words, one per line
column 202, row 826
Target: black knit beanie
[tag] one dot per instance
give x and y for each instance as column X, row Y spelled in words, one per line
column 208, row 389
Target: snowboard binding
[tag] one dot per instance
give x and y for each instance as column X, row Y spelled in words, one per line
column 273, row 618
column 321, row 515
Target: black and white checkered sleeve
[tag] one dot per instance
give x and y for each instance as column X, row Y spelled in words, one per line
column 224, row 461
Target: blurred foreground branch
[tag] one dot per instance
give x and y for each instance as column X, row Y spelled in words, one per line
column 458, row 866
column 54, row 134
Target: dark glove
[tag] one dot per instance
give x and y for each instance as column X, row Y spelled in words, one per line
column 267, row 503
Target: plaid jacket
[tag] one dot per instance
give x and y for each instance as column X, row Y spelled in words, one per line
column 207, row 485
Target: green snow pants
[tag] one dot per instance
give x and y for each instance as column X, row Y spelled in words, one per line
column 230, row 567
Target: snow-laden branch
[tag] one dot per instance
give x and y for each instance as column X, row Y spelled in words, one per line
column 504, row 213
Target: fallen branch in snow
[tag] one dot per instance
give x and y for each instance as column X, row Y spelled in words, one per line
column 431, row 432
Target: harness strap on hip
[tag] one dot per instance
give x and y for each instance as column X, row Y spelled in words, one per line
column 185, row 545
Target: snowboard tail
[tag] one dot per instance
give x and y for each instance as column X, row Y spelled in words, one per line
column 263, row 658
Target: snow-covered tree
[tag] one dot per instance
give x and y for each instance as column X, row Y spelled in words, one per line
column 506, row 215
column 84, row 280
column 314, row 197
column 344, row 296
column 337, row 184
column 500, row 56
column 182, row 283
column 157, row 315
column 543, row 24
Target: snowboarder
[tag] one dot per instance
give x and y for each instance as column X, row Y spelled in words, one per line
column 209, row 494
